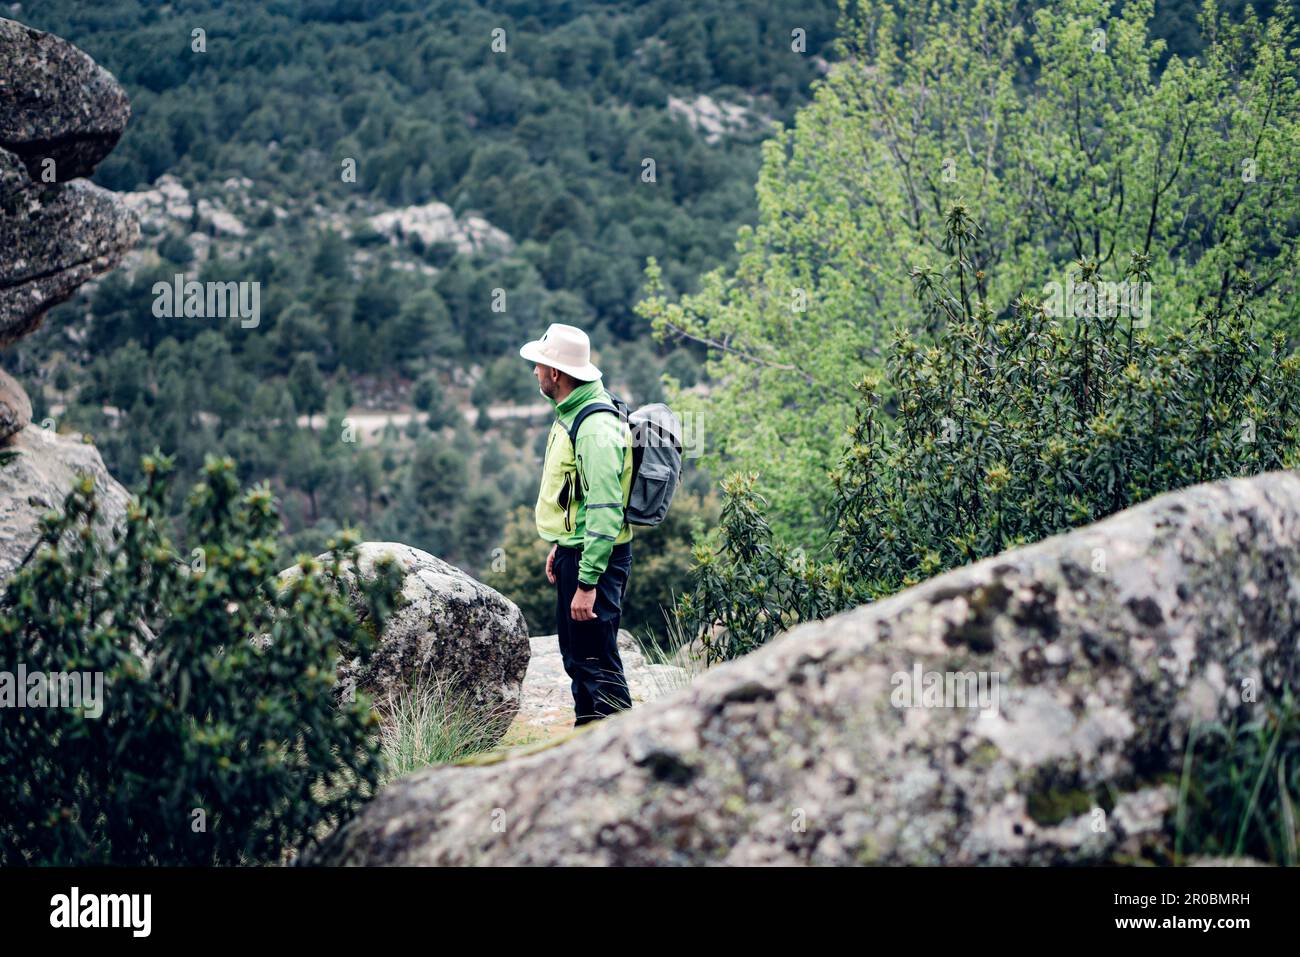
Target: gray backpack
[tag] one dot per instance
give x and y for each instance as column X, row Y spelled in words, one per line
column 656, row 456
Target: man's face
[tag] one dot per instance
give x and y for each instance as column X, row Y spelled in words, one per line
column 548, row 380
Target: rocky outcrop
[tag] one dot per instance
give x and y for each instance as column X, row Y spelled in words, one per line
column 435, row 223
column 448, row 625
column 719, row 119
column 40, row 470
column 56, row 102
column 60, row 114
column 1108, row 643
column 15, row 407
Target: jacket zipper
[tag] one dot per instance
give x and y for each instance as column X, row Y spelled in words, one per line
column 568, row 503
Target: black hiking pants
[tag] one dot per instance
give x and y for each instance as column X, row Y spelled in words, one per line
column 590, row 648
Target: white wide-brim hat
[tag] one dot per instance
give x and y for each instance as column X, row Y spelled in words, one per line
column 562, row 347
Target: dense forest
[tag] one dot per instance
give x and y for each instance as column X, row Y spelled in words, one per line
column 573, row 139
column 304, row 121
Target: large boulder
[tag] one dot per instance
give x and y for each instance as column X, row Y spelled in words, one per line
column 38, row 468
column 52, row 240
column 60, row 114
column 448, row 626
column 56, row 103
column 1108, row 643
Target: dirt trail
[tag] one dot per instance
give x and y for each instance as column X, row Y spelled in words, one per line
column 370, row 423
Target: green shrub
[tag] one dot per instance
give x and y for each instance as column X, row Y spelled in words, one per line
column 749, row 586
column 220, row 739
column 1007, row 427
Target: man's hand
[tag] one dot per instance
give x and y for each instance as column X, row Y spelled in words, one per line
column 584, row 604
column 550, row 564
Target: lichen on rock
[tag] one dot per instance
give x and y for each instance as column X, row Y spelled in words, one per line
column 447, row 626
column 795, row 754
column 60, row 114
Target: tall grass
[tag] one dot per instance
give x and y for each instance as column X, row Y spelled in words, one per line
column 1239, row 787
column 674, row 647
column 434, row 722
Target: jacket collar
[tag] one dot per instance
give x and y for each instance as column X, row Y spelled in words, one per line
column 578, row 398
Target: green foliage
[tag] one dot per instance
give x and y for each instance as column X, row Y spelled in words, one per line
column 506, row 380
column 426, row 393
column 306, row 385
column 1007, row 430
column 749, row 586
column 1240, row 785
column 220, row 739
column 1065, row 145
column 544, row 140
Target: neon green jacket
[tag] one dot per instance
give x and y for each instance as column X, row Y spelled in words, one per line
column 603, row 464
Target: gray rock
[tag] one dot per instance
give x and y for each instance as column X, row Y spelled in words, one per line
column 56, row 103
column 38, row 478
column 447, row 625
column 53, row 239
column 55, row 233
column 1109, row 642
column 15, row 407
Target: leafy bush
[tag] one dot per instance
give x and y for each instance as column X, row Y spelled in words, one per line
column 220, row 739
column 749, row 585
column 1069, row 138
column 1010, row 430
column 1007, row 428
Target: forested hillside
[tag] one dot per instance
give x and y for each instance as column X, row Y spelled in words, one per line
column 567, row 154
column 983, row 323
column 309, row 147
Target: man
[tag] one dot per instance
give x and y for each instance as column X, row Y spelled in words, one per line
column 579, row 510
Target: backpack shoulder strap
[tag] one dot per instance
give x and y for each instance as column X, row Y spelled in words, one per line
column 585, row 411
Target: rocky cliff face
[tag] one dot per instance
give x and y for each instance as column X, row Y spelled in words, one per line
column 60, row 114
column 38, row 479
column 827, row 747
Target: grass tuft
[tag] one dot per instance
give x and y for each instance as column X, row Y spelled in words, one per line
column 435, row 722
column 1239, row 786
